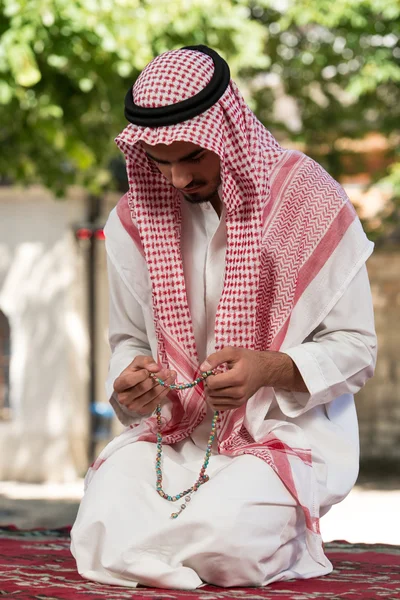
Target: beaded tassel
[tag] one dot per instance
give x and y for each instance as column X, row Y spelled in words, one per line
column 202, row 478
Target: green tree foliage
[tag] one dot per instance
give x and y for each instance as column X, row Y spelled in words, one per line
column 339, row 63
column 65, row 67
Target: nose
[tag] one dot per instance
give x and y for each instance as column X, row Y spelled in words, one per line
column 180, row 176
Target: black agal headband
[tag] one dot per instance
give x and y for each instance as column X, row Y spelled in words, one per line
column 186, row 109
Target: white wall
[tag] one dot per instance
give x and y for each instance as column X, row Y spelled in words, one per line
column 43, row 293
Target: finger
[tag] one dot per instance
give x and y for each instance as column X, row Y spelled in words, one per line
column 147, row 402
column 131, row 394
column 129, row 379
column 227, row 355
column 230, row 379
column 229, row 392
column 159, row 391
column 164, row 374
column 222, row 404
column 145, row 362
column 128, row 396
column 133, row 375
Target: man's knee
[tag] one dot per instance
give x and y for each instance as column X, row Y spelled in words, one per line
column 252, row 544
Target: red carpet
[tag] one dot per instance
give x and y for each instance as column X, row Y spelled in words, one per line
column 37, row 565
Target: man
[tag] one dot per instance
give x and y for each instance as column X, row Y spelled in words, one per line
column 233, row 256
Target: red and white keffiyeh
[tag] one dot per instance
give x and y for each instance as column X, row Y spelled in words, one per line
column 285, row 218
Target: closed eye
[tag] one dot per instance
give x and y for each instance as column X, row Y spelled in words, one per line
column 189, row 159
column 196, row 160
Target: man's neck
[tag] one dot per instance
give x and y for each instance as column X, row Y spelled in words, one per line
column 216, row 203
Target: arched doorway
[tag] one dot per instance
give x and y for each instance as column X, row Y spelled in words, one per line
column 5, row 352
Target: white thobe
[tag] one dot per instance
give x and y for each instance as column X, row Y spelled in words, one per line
column 242, row 527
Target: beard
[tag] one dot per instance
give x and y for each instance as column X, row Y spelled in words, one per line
column 201, row 198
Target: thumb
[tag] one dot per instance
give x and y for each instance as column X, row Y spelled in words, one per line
column 206, row 366
column 150, row 364
column 217, row 358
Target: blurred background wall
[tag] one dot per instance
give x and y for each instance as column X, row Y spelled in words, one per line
column 322, row 76
column 43, row 390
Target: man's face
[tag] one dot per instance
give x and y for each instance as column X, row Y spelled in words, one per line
column 191, row 169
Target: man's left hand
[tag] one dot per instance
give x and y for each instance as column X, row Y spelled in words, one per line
column 232, row 389
column 249, row 370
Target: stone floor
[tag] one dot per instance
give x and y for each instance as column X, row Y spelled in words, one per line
column 370, row 514
column 39, row 505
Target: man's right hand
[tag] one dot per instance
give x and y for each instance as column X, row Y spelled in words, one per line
column 137, row 391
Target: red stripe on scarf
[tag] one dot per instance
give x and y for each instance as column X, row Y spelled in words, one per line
column 125, row 216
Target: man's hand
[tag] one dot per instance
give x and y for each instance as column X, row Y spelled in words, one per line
column 137, row 391
column 249, row 370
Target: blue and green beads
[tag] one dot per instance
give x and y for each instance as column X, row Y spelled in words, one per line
column 183, row 386
column 202, row 478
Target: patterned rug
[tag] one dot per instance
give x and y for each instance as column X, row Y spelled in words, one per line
column 37, row 565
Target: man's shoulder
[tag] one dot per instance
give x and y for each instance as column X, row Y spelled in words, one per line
column 296, row 172
column 113, row 224
column 294, row 161
column 120, row 230
column 290, row 161
column 120, row 216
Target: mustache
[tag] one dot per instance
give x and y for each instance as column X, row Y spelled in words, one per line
column 194, row 184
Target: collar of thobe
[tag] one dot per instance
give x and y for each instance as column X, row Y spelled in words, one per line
column 186, row 109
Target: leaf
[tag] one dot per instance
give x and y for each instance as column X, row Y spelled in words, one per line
column 80, row 154
column 23, row 65
column 6, row 93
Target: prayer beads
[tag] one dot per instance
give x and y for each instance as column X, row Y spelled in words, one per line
column 202, row 478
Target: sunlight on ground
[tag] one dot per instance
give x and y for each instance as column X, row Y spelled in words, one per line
column 367, row 516
column 44, row 491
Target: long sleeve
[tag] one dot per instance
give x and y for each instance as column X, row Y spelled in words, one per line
column 127, row 336
column 339, row 356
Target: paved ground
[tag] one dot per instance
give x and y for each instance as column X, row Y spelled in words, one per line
column 365, row 516
column 33, row 505
column 369, row 514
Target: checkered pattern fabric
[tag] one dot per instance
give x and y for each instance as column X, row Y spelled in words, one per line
column 151, row 91
column 247, row 151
